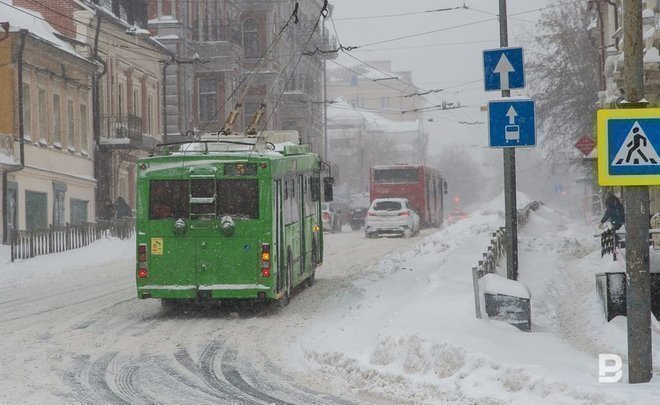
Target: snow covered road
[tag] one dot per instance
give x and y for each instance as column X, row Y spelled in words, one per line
column 73, row 332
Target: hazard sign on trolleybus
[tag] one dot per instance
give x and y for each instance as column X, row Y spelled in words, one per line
column 628, row 145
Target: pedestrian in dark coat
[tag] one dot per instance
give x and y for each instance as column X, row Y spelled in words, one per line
column 107, row 211
column 122, row 209
column 614, row 212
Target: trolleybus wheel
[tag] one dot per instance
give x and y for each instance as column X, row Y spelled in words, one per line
column 169, row 304
column 310, row 280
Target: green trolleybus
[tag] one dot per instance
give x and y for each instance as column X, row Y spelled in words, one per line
column 229, row 217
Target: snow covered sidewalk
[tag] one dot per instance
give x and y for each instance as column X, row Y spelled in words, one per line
column 410, row 334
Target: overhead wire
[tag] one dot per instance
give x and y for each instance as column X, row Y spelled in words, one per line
column 323, row 13
column 250, row 74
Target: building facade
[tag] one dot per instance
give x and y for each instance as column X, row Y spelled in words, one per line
column 46, row 141
column 237, row 57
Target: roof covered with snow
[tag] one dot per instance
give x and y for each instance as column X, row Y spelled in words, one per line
column 340, row 111
column 22, row 18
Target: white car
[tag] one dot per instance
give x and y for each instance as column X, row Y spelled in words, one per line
column 331, row 218
column 391, row 216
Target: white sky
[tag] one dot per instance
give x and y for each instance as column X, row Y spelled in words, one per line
column 450, row 59
column 382, row 324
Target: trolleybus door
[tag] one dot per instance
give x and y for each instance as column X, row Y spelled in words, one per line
column 279, row 234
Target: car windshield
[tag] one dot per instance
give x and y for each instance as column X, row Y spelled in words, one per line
column 387, row 206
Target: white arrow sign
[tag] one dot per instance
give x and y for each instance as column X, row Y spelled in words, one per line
column 512, row 114
column 503, row 68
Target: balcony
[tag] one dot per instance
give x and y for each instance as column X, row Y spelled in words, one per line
column 121, row 131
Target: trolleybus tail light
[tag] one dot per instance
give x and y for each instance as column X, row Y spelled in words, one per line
column 265, row 259
column 404, row 214
column 142, row 261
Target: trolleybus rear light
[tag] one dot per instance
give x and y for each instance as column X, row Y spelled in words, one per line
column 265, row 260
column 142, row 261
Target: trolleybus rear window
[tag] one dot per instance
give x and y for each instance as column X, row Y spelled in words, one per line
column 168, row 199
column 396, row 175
column 238, row 198
column 204, row 198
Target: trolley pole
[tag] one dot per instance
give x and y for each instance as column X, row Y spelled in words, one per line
column 509, row 158
column 638, row 299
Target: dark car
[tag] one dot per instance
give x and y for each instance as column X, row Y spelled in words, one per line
column 357, row 210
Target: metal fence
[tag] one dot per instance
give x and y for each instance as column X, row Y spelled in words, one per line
column 54, row 239
column 496, row 251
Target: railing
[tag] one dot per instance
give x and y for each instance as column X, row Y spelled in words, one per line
column 611, row 241
column 496, row 251
column 121, row 126
column 27, row 244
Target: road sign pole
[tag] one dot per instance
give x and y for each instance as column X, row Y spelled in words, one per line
column 638, row 299
column 509, row 158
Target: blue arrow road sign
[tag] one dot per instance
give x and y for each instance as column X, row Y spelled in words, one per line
column 511, row 123
column 503, row 69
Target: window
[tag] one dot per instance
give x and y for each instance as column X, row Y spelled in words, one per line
column 36, row 210
column 70, row 125
column 150, row 114
column 84, row 119
column 57, row 120
column 168, row 199
column 120, row 99
column 384, row 102
column 43, row 115
column 27, row 110
column 59, row 190
column 208, row 89
column 251, row 38
column 396, row 176
column 78, row 211
column 238, row 198
column 202, row 198
column 291, row 207
column 136, row 103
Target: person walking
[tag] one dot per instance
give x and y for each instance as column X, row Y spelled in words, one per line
column 614, row 212
column 107, row 211
column 122, row 209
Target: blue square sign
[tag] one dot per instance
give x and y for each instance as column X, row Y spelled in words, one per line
column 511, row 123
column 503, row 69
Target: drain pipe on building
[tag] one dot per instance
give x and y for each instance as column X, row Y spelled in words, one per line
column 21, row 135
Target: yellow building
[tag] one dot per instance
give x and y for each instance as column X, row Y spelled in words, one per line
column 46, row 149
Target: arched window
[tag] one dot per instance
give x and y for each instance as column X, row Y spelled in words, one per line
column 251, row 38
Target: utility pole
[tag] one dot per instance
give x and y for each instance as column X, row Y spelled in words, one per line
column 638, row 299
column 509, row 158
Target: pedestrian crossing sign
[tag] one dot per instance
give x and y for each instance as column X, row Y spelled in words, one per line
column 628, row 145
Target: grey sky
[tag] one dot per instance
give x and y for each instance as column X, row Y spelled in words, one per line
column 450, row 58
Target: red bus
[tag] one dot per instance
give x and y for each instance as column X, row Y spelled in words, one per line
column 423, row 186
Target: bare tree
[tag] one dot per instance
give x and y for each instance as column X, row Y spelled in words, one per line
column 564, row 72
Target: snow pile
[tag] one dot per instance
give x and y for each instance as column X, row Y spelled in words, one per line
column 411, row 334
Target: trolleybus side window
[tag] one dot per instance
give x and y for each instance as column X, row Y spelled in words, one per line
column 168, row 199
column 239, row 198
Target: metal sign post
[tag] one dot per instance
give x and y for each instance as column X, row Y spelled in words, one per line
column 628, row 144
column 509, row 158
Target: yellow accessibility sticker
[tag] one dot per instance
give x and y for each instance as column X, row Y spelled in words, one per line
column 157, row 246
